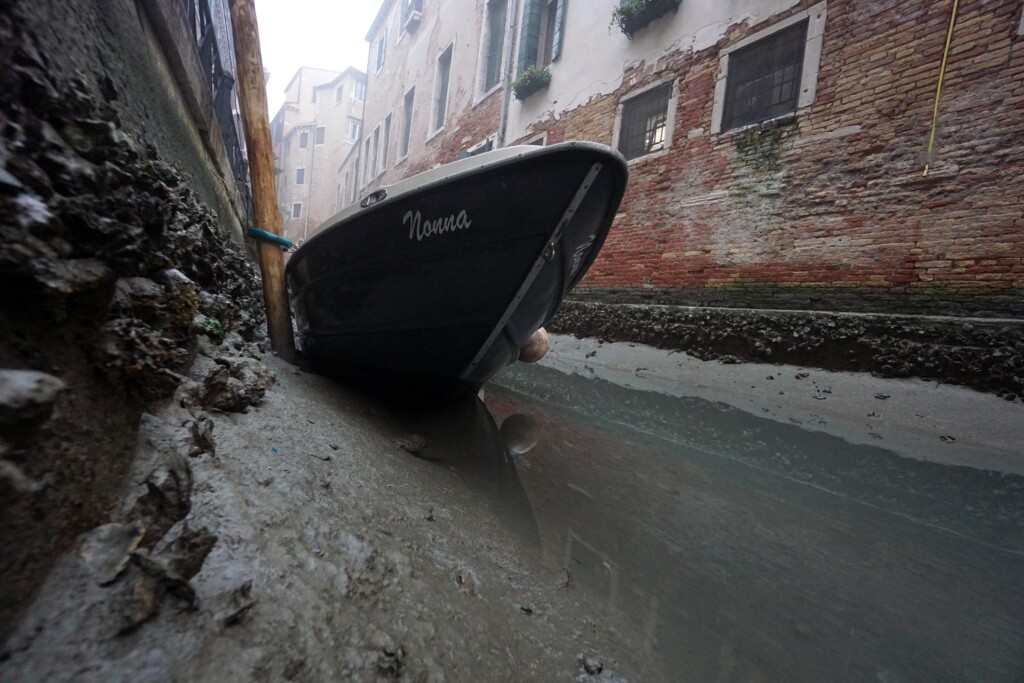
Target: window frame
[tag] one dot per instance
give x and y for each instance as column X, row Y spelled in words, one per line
column 486, row 37
column 382, row 43
column 670, row 117
column 437, row 106
column 296, row 215
column 303, row 139
column 359, row 92
column 320, row 136
column 300, row 180
column 405, row 139
column 357, row 127
column 535, row 24
column 382, row 162
column 815, row 16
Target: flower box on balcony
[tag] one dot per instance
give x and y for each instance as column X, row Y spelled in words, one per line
column 530, row 81
column 633, row 15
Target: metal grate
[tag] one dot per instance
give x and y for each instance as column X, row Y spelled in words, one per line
column 764, row 78
column 644, row 122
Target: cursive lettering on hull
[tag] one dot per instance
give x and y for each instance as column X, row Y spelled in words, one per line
column 419, row 228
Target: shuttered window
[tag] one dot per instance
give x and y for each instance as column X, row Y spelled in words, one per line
column 542, row 32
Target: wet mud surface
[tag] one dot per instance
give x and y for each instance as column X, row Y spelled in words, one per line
column 983, row 355
column 350, row 541
column 565, row 528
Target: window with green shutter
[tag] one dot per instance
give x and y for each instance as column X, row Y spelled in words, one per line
column 542, row 32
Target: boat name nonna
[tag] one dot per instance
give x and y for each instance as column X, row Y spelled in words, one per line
column 419, row 228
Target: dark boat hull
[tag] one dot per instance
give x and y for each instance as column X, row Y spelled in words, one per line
column 447, row 279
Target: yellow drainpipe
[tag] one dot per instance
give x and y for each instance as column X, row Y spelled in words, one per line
column 938, row 86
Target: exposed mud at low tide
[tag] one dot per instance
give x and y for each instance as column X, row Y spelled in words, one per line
column 983, row 355
column 316, row 546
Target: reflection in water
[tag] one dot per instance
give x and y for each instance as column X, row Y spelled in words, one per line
column 457, row 431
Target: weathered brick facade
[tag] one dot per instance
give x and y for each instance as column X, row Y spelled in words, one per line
column 828, row 209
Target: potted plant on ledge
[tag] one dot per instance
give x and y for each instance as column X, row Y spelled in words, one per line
column 633, row 15
column 530, row 80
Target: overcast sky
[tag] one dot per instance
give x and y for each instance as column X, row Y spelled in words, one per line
column 328, row 34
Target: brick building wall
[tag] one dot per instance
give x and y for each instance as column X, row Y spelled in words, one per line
column 828, row 208
column 825, row 208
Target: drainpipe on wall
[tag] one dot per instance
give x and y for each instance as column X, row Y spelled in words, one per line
column 506, row 87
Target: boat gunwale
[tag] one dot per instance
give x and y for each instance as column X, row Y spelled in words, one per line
column 399, row 190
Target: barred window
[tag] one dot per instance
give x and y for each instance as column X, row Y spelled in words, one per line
column 644, row 122
column 764, row 78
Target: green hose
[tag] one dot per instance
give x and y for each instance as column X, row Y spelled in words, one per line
column 257, row 233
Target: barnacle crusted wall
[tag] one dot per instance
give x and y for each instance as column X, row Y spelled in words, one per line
column 112, row 262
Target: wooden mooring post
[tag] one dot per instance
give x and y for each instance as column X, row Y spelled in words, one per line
column 252, row 100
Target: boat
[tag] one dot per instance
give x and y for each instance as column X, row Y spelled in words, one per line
column 446, row 274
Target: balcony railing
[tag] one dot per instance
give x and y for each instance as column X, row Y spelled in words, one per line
column 221, row 86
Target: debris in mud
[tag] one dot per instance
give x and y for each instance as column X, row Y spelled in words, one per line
column 234, row 383
column 881, row 396
column 467, row 581
column 389, row 662
column 947, row 439
column 202, row 435
column 293, row 668
column 166, row 500
column 591, row 665
column 26, row 401
column 106, row 550
column 413, row 443
column 241, row 603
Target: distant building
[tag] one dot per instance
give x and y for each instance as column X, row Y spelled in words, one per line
column 776, row 149
column 312, row 135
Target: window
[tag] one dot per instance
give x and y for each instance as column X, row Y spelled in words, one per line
column 367, row 170
column 764, row 78
column 381, row 46
column 495, row 42
column 372, row 161
column 542, row 30
column 444, row 72
column 304, row 139
column 297, row 210
column 359, row 92
column 320, row 134
column 385, row 143
column 771, row 73
column 643, row 127
column 410, row 17
column 315, row 95
column 300, row 176
column 354, row 128
column 403, row 147
column 339, row 94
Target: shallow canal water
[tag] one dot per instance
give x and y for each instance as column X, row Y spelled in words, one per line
column 739, row 548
